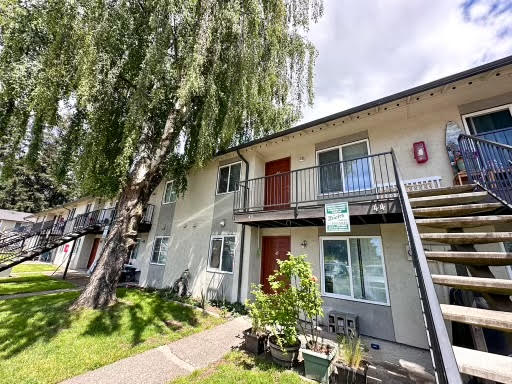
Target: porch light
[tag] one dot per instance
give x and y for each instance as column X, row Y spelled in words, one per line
column 301, row 159
column 304, row 243
column 222, row 223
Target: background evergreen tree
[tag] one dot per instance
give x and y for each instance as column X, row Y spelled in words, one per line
column 143, row 89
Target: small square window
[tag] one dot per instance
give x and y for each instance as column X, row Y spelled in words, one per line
column 222, row 253
column 159, row 255
column 229, row 178
column 169, row 193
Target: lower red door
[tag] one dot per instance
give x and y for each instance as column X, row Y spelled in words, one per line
column 273, row 248
column 94, row 250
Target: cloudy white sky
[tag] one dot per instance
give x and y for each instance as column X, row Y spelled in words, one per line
column 368, row 49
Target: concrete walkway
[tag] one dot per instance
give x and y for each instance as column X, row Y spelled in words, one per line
column 165, row 363
column 40, row 293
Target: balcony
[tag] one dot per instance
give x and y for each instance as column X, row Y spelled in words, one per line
column 297, row 198
column 147, row 219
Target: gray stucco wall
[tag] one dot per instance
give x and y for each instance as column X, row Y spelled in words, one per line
column 163, row 226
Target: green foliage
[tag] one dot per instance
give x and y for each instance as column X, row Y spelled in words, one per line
column 351, row 351
column 31, row 284
column 240, row 367
column 105, row 77
column 295, row 299
column 31, row 189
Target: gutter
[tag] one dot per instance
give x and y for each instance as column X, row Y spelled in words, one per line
column 242, row 240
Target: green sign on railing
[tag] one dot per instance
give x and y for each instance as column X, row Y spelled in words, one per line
column 337, row 217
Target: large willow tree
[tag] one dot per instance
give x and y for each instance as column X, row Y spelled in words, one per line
column 139, row 90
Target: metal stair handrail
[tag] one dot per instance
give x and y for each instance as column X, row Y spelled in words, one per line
column 443, row 358
column 488, row 164
column 45, row 235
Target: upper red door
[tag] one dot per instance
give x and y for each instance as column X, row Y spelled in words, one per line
column 273, row 248
column 277, row 184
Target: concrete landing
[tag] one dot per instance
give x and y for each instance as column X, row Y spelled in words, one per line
column 165, row 363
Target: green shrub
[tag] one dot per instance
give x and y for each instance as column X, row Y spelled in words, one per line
column 294, row 293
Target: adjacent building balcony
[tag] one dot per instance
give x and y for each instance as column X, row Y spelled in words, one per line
column 298, row 198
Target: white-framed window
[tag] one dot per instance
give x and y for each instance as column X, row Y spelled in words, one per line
column 160, row 247
column 353, row 269
column 222, row 253
column 228, row 178
column 493, row 124
column 169, row 193
column 353, row 174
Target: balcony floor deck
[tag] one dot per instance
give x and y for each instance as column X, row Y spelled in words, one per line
column 377, row 211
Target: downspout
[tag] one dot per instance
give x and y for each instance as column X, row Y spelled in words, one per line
column 242, row 240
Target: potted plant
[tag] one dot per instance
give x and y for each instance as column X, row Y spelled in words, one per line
column 317, row 354
column 256, row 336
column 351, row 368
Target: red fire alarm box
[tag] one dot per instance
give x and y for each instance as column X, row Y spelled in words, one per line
column 420, row 152
column 66, row 248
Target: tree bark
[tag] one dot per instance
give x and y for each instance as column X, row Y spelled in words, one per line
column 121, row 238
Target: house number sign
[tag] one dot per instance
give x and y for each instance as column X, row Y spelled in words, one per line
column 337, row 217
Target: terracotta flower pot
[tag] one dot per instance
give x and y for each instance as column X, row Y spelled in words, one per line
column 318, row 365
column 350, row 375
column 286, row 356
column 254, row 343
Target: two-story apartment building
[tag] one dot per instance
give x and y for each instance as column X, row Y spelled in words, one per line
column 254, row 203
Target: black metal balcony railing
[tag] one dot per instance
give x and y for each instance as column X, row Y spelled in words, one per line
column 43, row 234
column 488, row 164
column 502, row 136
column 361, row 178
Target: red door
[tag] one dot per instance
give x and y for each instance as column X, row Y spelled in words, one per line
column 277, row 184
column 274, row 248
column 94, row 249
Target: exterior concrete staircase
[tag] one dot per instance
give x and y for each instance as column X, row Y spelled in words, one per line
column 447, row 212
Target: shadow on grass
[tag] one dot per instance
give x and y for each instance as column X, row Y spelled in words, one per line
column 24, row 322
column 136, row 318
column 137, row 311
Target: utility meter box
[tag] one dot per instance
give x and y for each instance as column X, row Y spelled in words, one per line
column 343, row 324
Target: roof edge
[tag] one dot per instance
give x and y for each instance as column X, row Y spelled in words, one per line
column 384, row 100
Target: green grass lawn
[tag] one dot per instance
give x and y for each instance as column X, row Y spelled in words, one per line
column 24, row 284
column 239, row 367
column 24, row 268
column 42, row 342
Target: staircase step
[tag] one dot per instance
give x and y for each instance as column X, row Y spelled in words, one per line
column 452, row 199
column 484, row 365
column 456, row 210
column 485, row 318
column 471, row 258
column 468, row 238
column 464, row 222
column 442, row 191
column 477, row 284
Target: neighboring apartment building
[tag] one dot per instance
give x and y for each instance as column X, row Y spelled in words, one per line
column 12, row 220
column 83, row 251
column 229, row 237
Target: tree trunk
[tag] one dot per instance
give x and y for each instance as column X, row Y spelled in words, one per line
column 121, row 238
